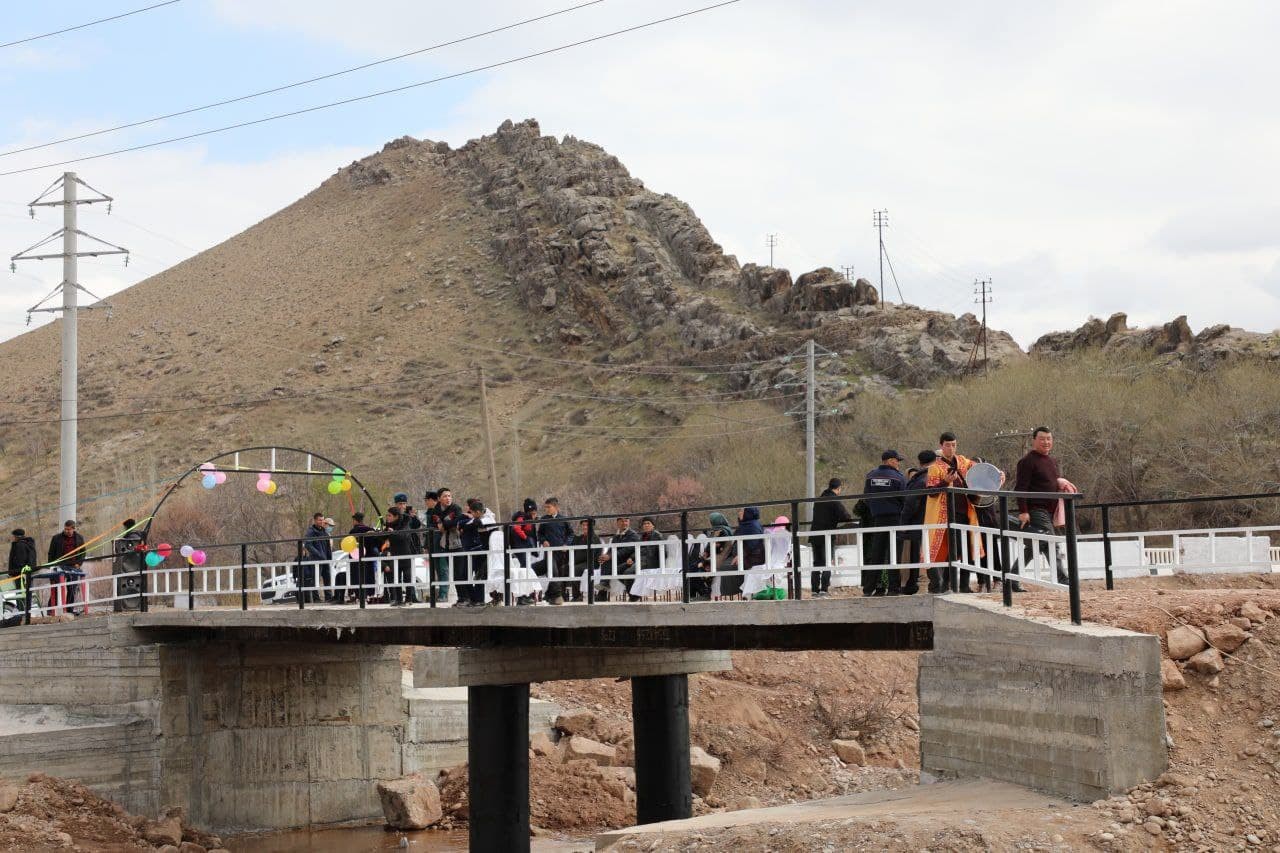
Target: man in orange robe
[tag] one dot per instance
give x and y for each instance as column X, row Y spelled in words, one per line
column 949, row 469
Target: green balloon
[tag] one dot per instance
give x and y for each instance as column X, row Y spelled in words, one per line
column 335, row 486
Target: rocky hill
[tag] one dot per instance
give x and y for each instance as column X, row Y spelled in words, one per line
column 351, row 321
column 1173, row 342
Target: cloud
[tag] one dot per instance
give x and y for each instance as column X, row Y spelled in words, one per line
column 1230, row 230
column 1067, row 150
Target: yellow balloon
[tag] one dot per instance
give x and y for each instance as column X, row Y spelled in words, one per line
column 346, row 485
column 271, row 487
column 349, row 544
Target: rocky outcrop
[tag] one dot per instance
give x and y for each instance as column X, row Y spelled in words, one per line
column 598, row 260
column 1171, row 342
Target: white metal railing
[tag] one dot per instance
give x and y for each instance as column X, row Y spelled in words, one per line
column 720, row 567
column 1191, row 550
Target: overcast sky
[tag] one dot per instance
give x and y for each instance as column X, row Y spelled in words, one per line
column 1087, row 157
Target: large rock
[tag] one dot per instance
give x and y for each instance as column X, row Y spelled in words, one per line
column 703, row 770
column 578, row 748
column 1208, row 662
column 850, row 751
column 161, row 832
column 1184, row 641
column 541, row 744
column 1227, row 637
column 410, row 803
column 1172, row 342
column 8, row 796
column 1255, row 614
column 576, row 722
column 1170, row 676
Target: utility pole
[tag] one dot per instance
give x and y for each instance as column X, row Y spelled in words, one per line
column 848, row 272
column 880, row 219
column 70, row 308
column 515, row 463
column 488, row 439
column 982, row 294
column 771, row 241
column 809, row 433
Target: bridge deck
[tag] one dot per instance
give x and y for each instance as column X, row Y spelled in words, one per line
column 902, row 623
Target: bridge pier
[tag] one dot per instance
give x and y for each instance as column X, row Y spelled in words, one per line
column 498, row 758
column 660, row 720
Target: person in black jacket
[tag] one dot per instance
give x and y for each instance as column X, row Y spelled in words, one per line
column 617, row 559
column 827, row 515
column 552, row 532
column 475, row 536
column 360, row 573
column 317, row 551
column 398, row 546
column 448, row 515
column 885, row 509
column 913, row 514
column 66, row 549
column 585, row 536
column 22, row 553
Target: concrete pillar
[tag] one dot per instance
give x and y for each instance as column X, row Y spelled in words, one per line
column 498, row 755
column 660, row 716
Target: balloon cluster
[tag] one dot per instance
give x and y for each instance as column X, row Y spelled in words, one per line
column 265, row 484
column 193, row 556
column 211, row 475
column 156, row 557
column 340, row 483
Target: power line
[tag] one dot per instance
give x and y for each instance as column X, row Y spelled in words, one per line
column 371, row 95
column 87, row 24
column 296, row 84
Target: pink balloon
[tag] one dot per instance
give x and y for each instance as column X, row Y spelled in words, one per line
column 263, row 485
column 198, row 558
column 208, row 466
column 220, row 477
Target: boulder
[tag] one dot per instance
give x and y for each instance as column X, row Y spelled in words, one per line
column 850, row 751
column 579, row 748
column 8, row 796
column 1184, row 641
column 191, row 847
column 577, row 722
column 161, row 832
column 410, row 803
column 735, row 804
column 1227, row 637
column 1241, row 622
column 1170, row 676
column 1251, row 611
column 541, row 744
column 703, row 770
column 1207, row 662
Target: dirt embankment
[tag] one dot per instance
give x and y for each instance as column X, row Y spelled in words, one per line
column 1222, row 704
column 45, row 813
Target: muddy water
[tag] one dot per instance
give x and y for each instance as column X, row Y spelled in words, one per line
column 362, row 839
column 375, row 839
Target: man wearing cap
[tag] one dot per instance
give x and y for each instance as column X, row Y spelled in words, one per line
column 22, row 553
column 409, row 517
column 827, row 515
column 318, row 552
column 885, row 512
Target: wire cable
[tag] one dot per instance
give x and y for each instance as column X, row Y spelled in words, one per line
column 87, row 24
column 298, row 83
column 345, row 101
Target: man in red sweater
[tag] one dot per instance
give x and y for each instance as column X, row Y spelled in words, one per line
column 1038, row 472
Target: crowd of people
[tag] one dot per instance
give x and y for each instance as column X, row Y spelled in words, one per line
column 549, row 556
column 471, row 553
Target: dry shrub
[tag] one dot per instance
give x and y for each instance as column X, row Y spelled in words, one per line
column 1123, row 430
column 867, row 712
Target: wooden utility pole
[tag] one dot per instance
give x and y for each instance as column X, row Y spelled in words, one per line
column 488, row 441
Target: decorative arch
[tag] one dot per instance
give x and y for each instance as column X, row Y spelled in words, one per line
column 237, row 468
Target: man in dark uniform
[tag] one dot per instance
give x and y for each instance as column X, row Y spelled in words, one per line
column 885, row 512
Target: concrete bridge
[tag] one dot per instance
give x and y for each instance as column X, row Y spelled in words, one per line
column 255, row 719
